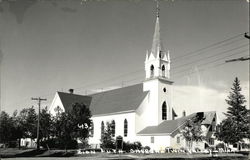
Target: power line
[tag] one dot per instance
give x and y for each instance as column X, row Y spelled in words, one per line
column 198, row 66
column 241, row 58
column 203, row 69
column 177, row 58
column 214, row 66
column 212, row 48
column 211, row 56
column 218, row 59
column 209, row 46
column 140, row 70
column 115, row 77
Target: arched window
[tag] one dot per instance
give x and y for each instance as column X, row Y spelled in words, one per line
column 164, row 90
column 163, row 71
column 164, row 111
column 125, row 128
column 113, row 128
column 151, row 71
column 102, row 128
column 160, row 54
column 91, row 129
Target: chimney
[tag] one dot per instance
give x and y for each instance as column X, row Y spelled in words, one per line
column 71, row 91
column 184, row 113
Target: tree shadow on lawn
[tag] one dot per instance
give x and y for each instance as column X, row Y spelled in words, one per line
column 202, row 158
column 9, row 153
column 37, row 153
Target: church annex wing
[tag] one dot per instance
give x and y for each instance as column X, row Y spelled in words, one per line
column 172, row 127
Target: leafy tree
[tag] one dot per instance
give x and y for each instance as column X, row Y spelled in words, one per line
column 45, row 124
column 18, row 128
column 72, row 125
column 223, row 133
column 15, row 127
column 192, row 131
column 107, row 141
column 67, row 129
column 82, row 123
column 236, row 125
column 5, row 127
column 56, row 128
column 28, row 122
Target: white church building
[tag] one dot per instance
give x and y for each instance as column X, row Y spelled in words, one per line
column 141, row 112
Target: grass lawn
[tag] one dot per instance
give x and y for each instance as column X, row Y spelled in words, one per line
column 125, row 158
column 32, row 154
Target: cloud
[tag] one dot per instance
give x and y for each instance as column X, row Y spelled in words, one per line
column 201, row 98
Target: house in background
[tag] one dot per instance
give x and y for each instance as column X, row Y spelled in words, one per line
column 141, row 112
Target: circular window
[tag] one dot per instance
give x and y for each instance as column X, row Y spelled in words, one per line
column 164, row 89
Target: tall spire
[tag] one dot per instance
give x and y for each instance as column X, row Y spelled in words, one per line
column 157, row 45
column 157, row 9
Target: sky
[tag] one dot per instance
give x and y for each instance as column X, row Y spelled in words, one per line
column 95, row 45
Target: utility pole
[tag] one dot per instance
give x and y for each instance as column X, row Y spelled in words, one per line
column 238, row 59
column 241, row 58
column 38, row 121
column 246, row 36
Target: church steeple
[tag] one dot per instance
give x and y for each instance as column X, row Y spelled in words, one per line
column 157, row 47
column 157, row 62
column 157, row 80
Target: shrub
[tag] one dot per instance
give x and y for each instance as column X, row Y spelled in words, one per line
column 127, row 146
column 146, row 148
column 59, row 144
column 197, row 149
column 84, row 144
column 182, row 149
column 220, row 145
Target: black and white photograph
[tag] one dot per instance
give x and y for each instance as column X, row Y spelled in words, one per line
column 124, row 79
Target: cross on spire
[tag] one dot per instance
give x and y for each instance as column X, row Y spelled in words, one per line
column 157, row 8
column 157, row 44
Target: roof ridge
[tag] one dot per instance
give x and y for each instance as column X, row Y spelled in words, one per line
column 72, row 94
column 114, row 89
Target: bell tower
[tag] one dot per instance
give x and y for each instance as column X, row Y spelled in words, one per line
column 157, row 80
column 157, row 63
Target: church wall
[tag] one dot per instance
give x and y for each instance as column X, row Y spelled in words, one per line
column 55, row 103
column 177, row 141
column 143, row 114
column 156, row 97
column 156, row 143
column 119, row 126
column 165, row 96
column 151, row 115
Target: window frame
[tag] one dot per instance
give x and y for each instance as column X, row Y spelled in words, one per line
column 125, row 133
column 113, row 128
column 164, row 111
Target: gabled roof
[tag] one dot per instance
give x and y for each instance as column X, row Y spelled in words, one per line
column 209, row 116
column 68, row 99
column 117, row 100
column 171, row 126
column 108, row 102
